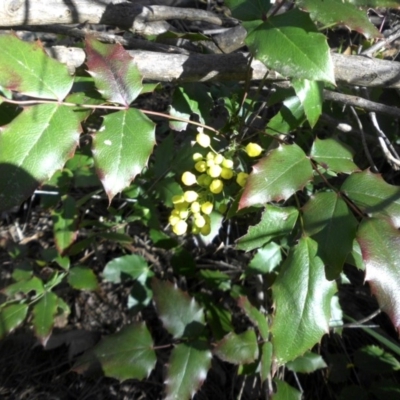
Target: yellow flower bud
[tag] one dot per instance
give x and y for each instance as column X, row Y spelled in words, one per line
column 210, row 156
column 204, row 180
column 218, row 159
column 216, row 186
column 190, row 196
column 205, row 230
column 253, row 150
column 227, row 163
column 200, row 166
column 242, row 178
column 197, row 157
column 188, row 178
column 195, row 207
column 207, row 207
column 183, row 214
column 177, row 199
column 214, row 171
column 203, row 140
column 226, row 173
column 199, row 221
column 180, row 227
column 173, row 220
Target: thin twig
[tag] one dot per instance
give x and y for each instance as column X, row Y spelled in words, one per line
column 383, row 43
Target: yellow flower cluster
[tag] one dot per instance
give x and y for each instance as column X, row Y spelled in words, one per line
column 211, row 172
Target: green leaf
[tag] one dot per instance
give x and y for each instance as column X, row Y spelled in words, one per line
column 180, row 314
column 215, row 279
column 248, row 10
column 302, row 297
column 334, row 155
column 285, row 392
column 275, row 222
column 65, row 224
column 82, row 278
column 26, row 68
column 290, row 116
column 266, row 361
column 291, row 45
column 140, row 296
column 277, row 176
column 265, row 260
column 127, row 354
column 373, row 358
column 25, row 286
column 333, row 12
column 188, row 368
column 355, row 256
column 115, row 74
column 238, row 349
column 380, row 246
column 307, row 363
column 33, row 146
column 121, row 148
column 256, row 317
column 43, row 316
column 310, row 94
column 328, row 220
column 11, row 317
column 132, row 265
column 373, row 195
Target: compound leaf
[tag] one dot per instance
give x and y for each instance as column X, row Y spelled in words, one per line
column 302, row 299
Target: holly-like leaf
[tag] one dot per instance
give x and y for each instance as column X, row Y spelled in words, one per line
column 334, row 155
column 26, row 68
column 33, row 146
column 302, row 299
column 277, row 176
column 116, row 76
column 65, row 224
column 373, row 195
column 265, row 260
column 248, row 10
column 187, row 370
column 286, row 392
column 275, row 222
column 333, row 12
column 255, row 316
column 127, row 354
column 122, row 148
column 133, row 266
column 291, row 45
column 310, row 96
column 34, row 284
column 11, row 317
column 380, row 246
column 180, row 314
column 43, row 316
column 238, row 349
column 82, row 278
column 332, row 225
column 307, row 363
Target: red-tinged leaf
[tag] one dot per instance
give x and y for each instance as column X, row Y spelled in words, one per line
column 11, row 317
column 302, row 300
column 26, row 68
column 127, row 354
column 275, row 222
column 373, row 195
column 291, row 45
column 277, row 176
column 82, row 278
column 380, row 246
column 65, row 224
column 328, row 220
column 180, row 313
column 285, row 392
column 122, row 148
column 333, row 12
column 310, row 95
column 187, row 370
column 256, row 317
column 33, row 146
column 115, row 74
column 43, row 316
column 334, row 155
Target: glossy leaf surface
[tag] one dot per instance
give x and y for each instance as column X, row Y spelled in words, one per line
column 265, row 260
column 328, row 220
column 82, row 278
column 127, row 354
column 307, row 363
column 43, row 316
column 11, row 317
column 302, row 297
column 277, row 176
column 291, row 45
column 238, row 349
column 332, row 12
column 26, row 68
column 334, row 155
column 373, row 195
column 180, row 314
column 285, row 392
column 256, row 316
column 116, row 76
column 132, row 266
column 122, row 148
column 187, row 370
column 28, row 156
column 380, row 246
column 275, row 222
